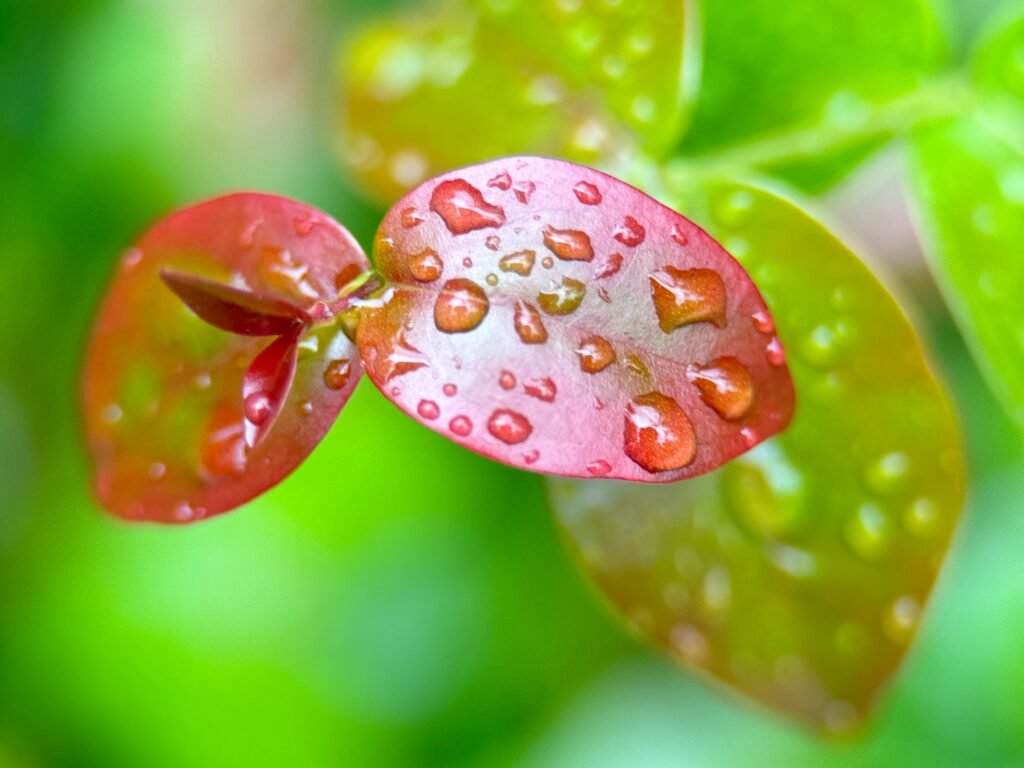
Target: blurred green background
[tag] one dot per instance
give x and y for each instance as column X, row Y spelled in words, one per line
column 398, row 601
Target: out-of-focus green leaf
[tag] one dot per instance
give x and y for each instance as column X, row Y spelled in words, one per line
column 475, row 79
column 783, row 81
column 969, row 178
column 797, row 573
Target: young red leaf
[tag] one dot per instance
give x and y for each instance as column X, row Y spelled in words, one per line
column 582, row 329
column 232, row 309
column 164, row 391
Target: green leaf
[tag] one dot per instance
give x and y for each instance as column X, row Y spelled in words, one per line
column 477, row 79
column 784, row 83
column 797, row 573
column 969, row 179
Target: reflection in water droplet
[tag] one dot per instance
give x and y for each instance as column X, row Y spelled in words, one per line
column 257, row 407
column 410, row 218
column 461, row 426
column 507, row 380
column 630, row 232
column 599, row 467
column 529, row 325
column 520, row 262
column 428, row 409
column 543, row 388
column 684, row 296
column 426, row 266
column 562, row 299
column 450, row 390
column 776, row 354
column 608, row 266
column 463, row 208
column 595, row 353
column 509, row 426
column 725, row 385
column 867, row 532
column 568, row 244
column 658, row 435
column 337, row 373
column 461, row 306
column 587, row 193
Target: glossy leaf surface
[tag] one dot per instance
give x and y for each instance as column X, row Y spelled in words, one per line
column 557, row 319
column 969, row 179
column 795, row 574
column 467, row 81
column 165, row 412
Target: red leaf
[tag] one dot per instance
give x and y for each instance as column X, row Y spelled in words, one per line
column 583, row 329
column 233, row 309
column 164, row 391
column 266, row 385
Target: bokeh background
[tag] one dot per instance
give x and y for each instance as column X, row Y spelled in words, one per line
column 398, row 601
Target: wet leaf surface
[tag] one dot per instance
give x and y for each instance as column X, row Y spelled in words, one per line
column 798, row 573
column 580, row 329
column 164, row 392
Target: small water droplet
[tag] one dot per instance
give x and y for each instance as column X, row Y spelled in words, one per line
column 685, row 296
column 258, row 407
column 763, row 322
column 304, row 225
column 531, row 456
column 428, row 409
column 493, row 242
column 568, row 244
column 562, row 299
column 463, row 208
column 595, row 353
column 599, row 467
column 111, row 414
column 598, row 403
column 735, row 209
column 507, row 380
column 337, row 373
column 608, row 266
column 410, row 218
column 867, row 532
column 461, row 426
column 203, row 380
column 509, row 426
column 643, row 109
column 716, row 590
column 630, row 232
column 529, row 325
column 679, row 234
column 725, row 385
column 888, row 473
column 690, row 643
column 491, row 279
column 776, row 354
column 658, row 434
column 520, row 262
column 306, row 406
column 587, row 193
column 921, row 517
column 157, row 470
column 460, row 307
column 248, row 235
column 502, row 181
column 131, row 258
column 524, row 191
column 900, row 619
column 543, row 388
column 450, row 390
column 840, row 717
column 749, row 437
column 547, row 262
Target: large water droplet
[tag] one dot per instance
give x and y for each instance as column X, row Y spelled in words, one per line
column 595, row 353
column 542, row 388
column 658, row 434
column 684, row 296
column 461, row 306
column 529, row 325
column 562, row 299
column 587, row 193
column 568, row 244
column 463, row 207
column 630, row 232
column 258, row 407
column 509, row 426
column 520, row 262
column 426, row 266
column 337, row 373
column 725, row 385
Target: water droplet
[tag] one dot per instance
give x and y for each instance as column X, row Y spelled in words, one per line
column 303, row 225
column 509, row 426
column 599, row 467
column 725, row 385
column 819, row 347
column 735, row 209
column 867, row 532
column 306, row 406
column 248, row 235
column 258, row 407
column 888, row 473
column 111, row 414
column 900, row 619
column 461, row 306
column 794, row 562
column 542, row 388
column 491, row 279
column 547, row 262
column 716, row 590
column 685, row 296
column 690, row 643
column 502, row 181
column 531, row 456
column 630, row 232
column 529, row 325
column 587, row 193
column 637, row 366
column 408, row 167
column 222, row 452
column 426, row 266
column 840, row 717
column 524, row 191
column 598, row 404
column 410, row 218
column 461, row 426
column 643, row 109
column 463, row 207
column 921, row 517
column 658, row 435
column 749, row 437
column 337, row 373
column 450, row 390
column 763, row 322
column 595, row 353
column 608, row 266
column 493, row 242
column 131, row 258
column 156, row 470
column 568, row 244
column 562, row 299
column 428, row 409
column 776, row 354
column 520, row 262
column 279, row 269
column 203, row 380
column 679, row 234
column 507, row 380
